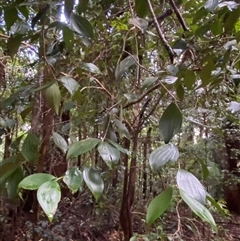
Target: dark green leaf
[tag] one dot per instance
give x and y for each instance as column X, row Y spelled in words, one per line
column 82, row 6
column 68, row 7
column 73, row 179
column 180, row 92
column 49, row 195
column 68, row 36
column 170, row 123
column 94, row 182
column 141, row 8
column 161, row 155
column 12, row 184
column 81, row 25
column 40, row 15
column 81, row 147
column 159, row 205
column 34, row 181
column 191, row 185
column 13, row 44
column 30, row 148
column 10, row 16
column 189, row 79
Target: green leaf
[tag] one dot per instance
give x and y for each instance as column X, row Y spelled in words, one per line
column 170, row 123
column 161, row 155
column 122, row 128
column 81, row 25
column 82, row 6
column 91, row 68
column 68, row 7
column 68, row 36
column 123, row 66
column 73, row 179
column 70, row 84
column 10, row 16
column 159, row 205
column 81, row 147
column 149, row 81
column 180, row 92
column 60, row 142
column 30, row 147
column 210, row 5
column 141, row 8
column 189, row 79
column 53, row 97
column 198, row 209
column 34, row 181
column 187, row 182
column 49, row 195
column 216, row 205
column 94, row 182
column 123, row 150
column 109, row 154
column 45, row 86
column 12, row 184
column 13, row 44
column 231, row 19
column 9, row 164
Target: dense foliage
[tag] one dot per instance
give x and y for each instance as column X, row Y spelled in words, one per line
column 126, row 103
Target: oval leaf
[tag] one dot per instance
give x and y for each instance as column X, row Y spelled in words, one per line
column 49, row 195
column 82, row 147
column 109, row 154
column 160, row 156
column 123, row 66
column 122, row 128
column 198, row 209
column 159, row 205
column 170, row 122
column 91, row 68
column 73, row 178
column 94, row 182
column 34, row 181
column 60, row 142
column 81, row 25
column 70, row 84
column 30, row 147
column 53, row 97
column 191, row 185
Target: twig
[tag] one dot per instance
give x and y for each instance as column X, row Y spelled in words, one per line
column 178, row 14
column 160, row 33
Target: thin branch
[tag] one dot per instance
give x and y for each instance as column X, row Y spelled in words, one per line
column 160, row 33
column 178, row 14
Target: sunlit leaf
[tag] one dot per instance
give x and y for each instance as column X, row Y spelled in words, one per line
column 210, row 5
column 109, row 153
column 139, row 22
column 94, row 181
column 34, row 181
column 161, row 155
column 73, row 179
column 49, row 195
column 120, row 148
column 122, row 128
column 60, row 142
column 91, row 68
column 70, row 84
column 159, row 205
column 191, row 185
column 81, row 147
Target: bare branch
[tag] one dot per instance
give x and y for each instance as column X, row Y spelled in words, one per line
column 178, row 14
column 160, row 33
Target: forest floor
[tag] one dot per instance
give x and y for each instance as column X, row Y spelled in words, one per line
column 81, row 220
